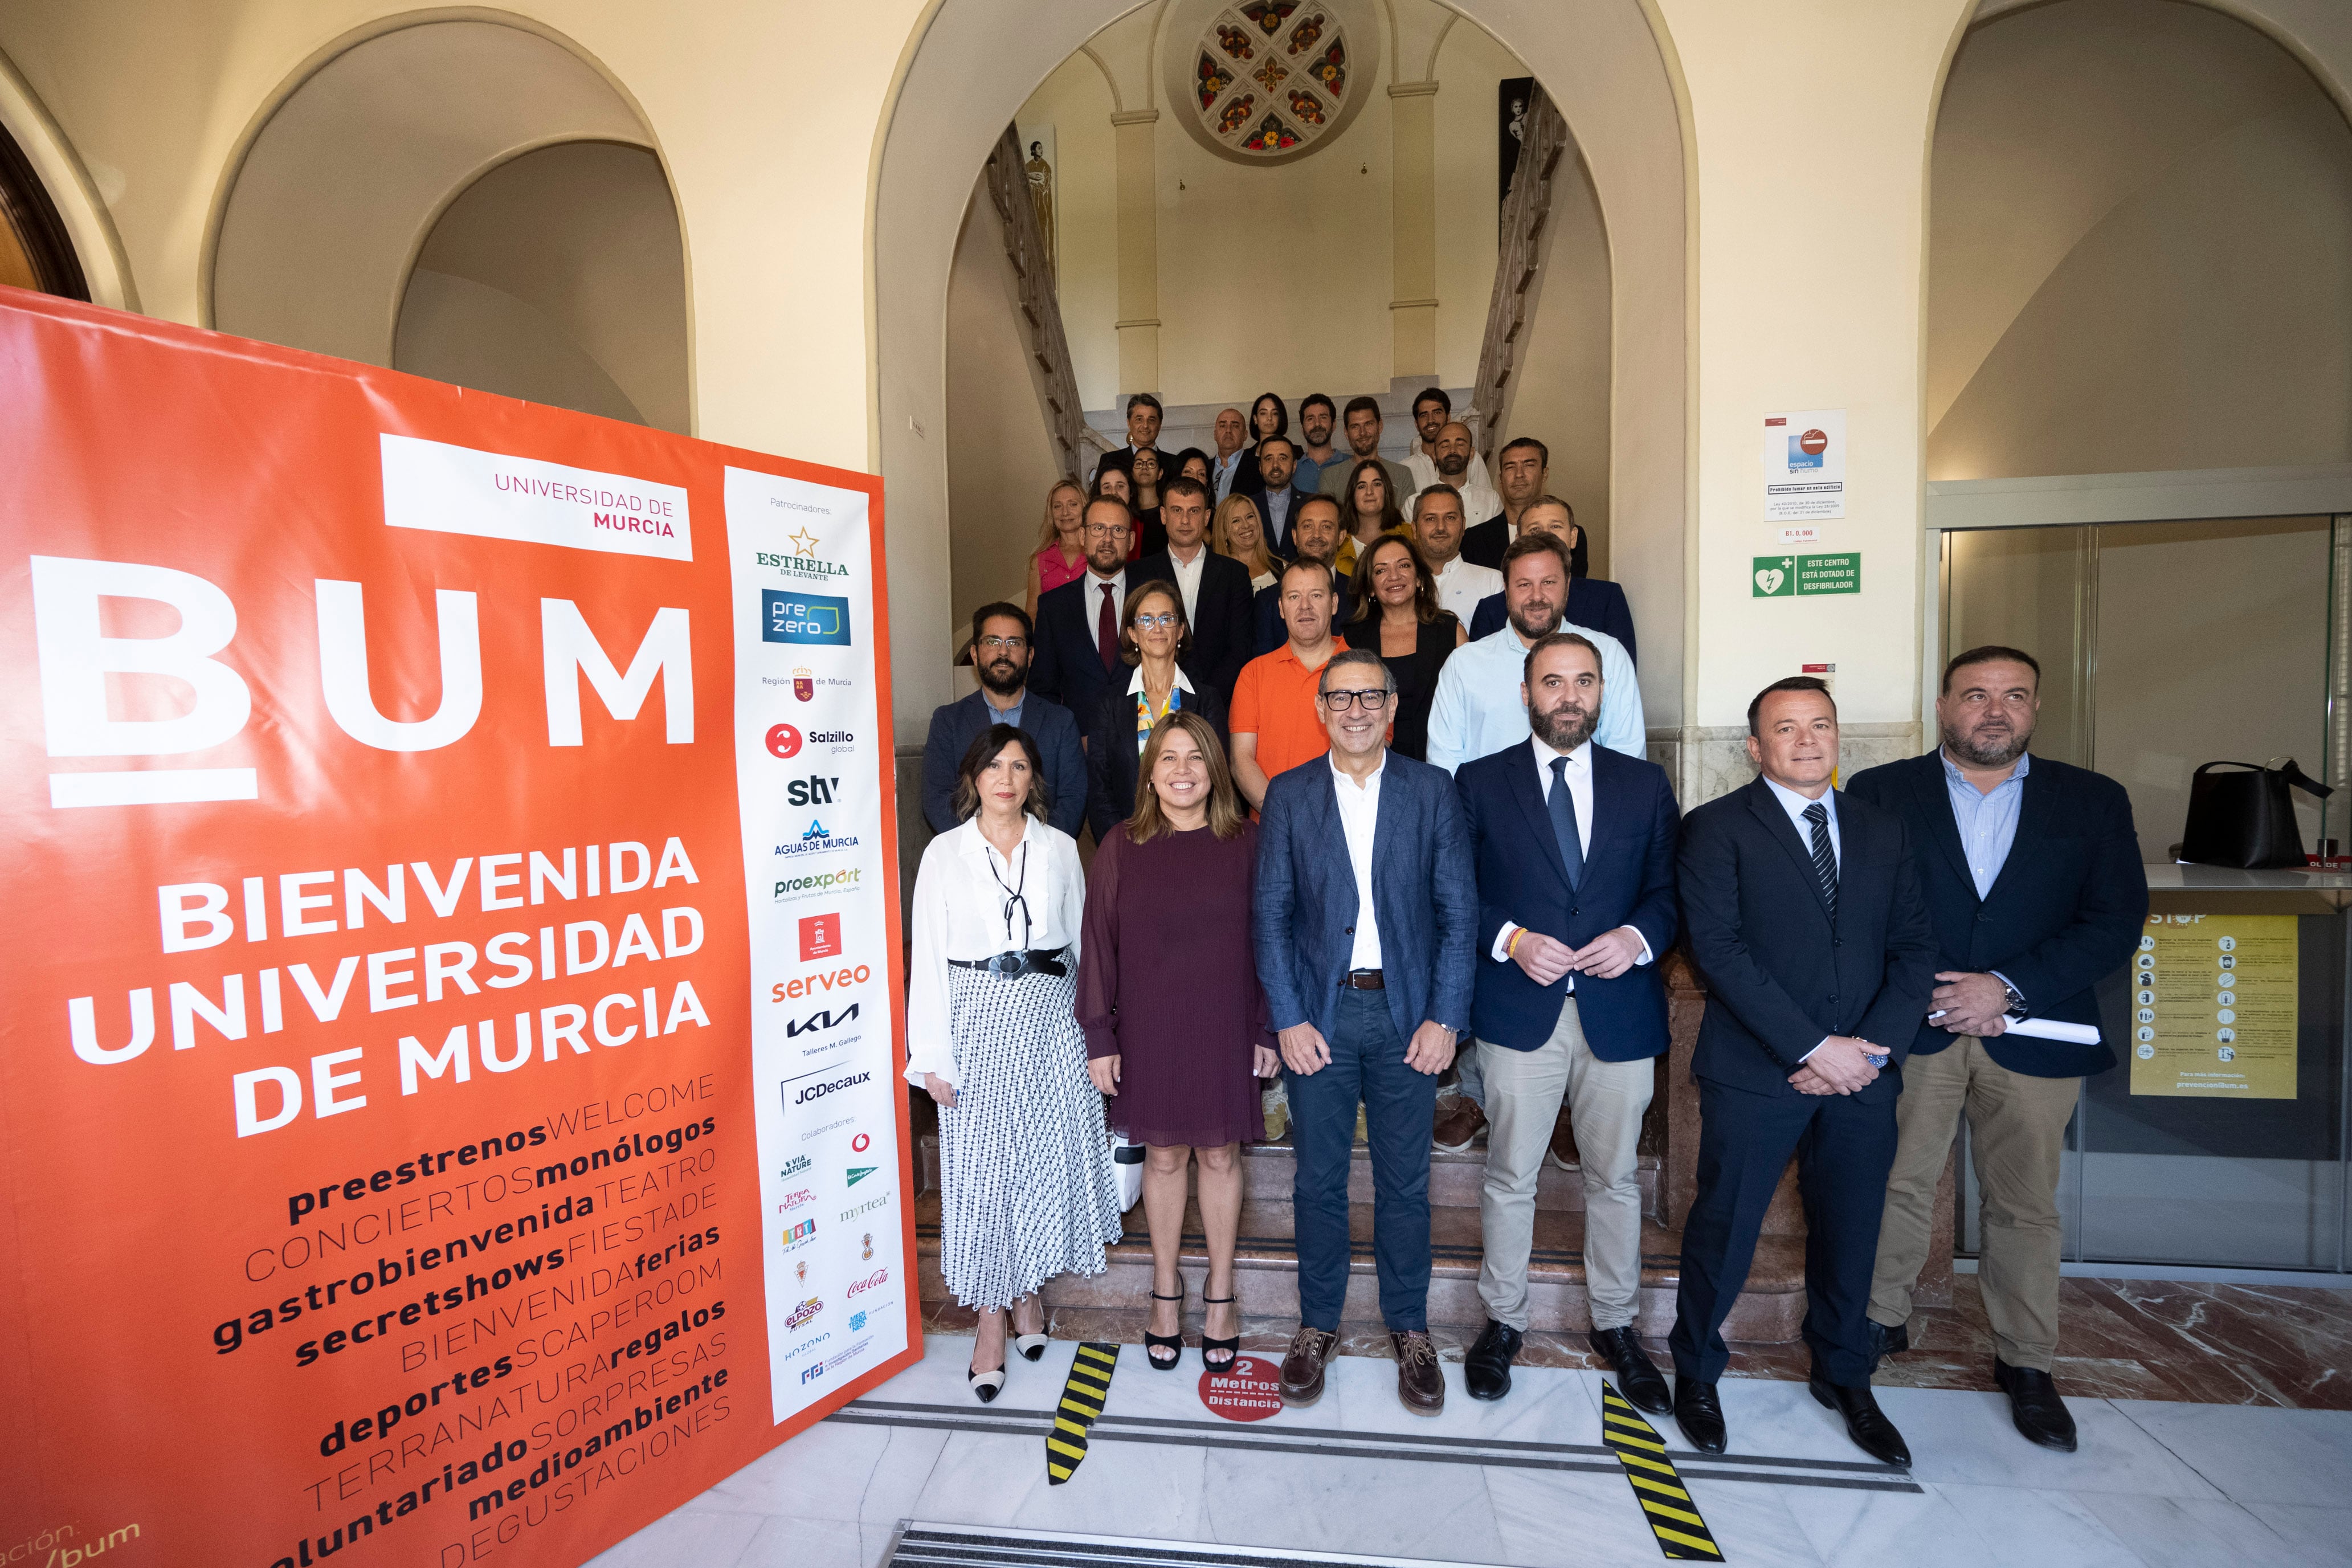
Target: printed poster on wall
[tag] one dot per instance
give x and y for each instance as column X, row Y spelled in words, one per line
column 2214, row 1003
column 448, row 1096
column 1804, row 465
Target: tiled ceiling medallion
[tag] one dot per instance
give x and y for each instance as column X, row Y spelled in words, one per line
column 1271, row 77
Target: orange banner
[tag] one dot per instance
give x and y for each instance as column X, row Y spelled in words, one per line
column 448, row 1076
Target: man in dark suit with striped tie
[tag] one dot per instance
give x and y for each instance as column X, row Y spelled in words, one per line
column 1803, row 912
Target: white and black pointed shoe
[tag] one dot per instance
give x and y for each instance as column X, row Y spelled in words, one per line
column 985, row 1385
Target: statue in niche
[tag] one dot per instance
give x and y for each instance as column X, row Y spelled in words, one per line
column 1041, row 198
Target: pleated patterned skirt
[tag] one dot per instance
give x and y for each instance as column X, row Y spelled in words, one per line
column 1026, row 1188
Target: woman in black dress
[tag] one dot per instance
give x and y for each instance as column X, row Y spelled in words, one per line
column 1267, row 416
column 1175, row 1020
column 1396, row 612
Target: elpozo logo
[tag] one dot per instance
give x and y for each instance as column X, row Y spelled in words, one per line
column 805, row 1312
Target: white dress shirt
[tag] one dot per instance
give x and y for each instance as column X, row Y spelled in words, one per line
column 1477, row 710
column 1188, row 577
column 1794, row 804
column 1359, row 817
column 961, row 913
column 1134, row 690
column 1464, row 585
column 1480, row 500
column 1579, row 795
column 1423, row 468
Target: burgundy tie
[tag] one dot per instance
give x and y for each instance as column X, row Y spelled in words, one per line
column 1106, row 631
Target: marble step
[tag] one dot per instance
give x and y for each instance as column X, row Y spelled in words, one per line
column 1770, row 1309
column 1454, row 1179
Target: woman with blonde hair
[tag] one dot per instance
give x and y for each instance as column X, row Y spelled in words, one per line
column 1238, row 530
column 1176, row 1025
column 1061, row 555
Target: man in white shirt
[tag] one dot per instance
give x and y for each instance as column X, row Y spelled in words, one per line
column 1438, row 524
column 1432, row 410
column 1477, row 710
column 1575, row 853
column 1479, row 500
column 1228, row 438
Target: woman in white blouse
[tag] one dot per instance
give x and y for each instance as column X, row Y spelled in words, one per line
column 1027, row 1189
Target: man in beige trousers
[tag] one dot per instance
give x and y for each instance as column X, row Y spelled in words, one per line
column 1574, row 850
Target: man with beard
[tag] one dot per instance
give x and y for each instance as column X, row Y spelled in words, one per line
column 1462, row 587
column 999, row 656
column 1278, row 498
column 1432, row 411
column 1592, row 602
column 1574, row 849
column 1363, row 423
column 1521, row 471
column 1477, row 710
column 1450, row 462
column 1314, row 536
column 1317, row 418
column 2032, row 878
column 1077, row 624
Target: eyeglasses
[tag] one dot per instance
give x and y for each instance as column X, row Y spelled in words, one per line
column 1106, row 530
column 994, row 643
column 1167, row 622
column 1340, row 701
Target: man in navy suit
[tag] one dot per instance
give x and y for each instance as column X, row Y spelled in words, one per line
column 1364, row 918
column 1802, row 911
column 1592, row 602
column 2032, row 877
column 1215, row 588
column 1077, row 658
column 1315, row 536
column 1575, row 850
column 1278, row 499
column 999, row 656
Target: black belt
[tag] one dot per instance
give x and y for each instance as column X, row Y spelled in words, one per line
column 1362, row 980
column 1012, row 965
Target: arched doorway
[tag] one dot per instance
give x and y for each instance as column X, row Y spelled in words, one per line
column 510, row 227
column 964, row 81
column 35, row 250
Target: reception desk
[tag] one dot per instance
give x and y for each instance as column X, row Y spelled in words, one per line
column 2220, row 1138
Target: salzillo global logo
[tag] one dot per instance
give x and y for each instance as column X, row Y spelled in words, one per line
column 818, row 618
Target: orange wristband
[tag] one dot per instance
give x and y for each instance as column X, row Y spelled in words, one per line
column 1511, row 948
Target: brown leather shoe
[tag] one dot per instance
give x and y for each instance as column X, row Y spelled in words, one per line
column 1421, row 1383
column 1563, row 1142
column 1302, row 1365
column 1459, row 1120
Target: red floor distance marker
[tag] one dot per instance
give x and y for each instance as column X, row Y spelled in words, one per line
column 1247, row 1390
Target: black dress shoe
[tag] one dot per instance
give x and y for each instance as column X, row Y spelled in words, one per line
column 1699, row 1415
column 1638, row 1377
column 1487, row 1370
column 2034, row 1405
column 1885, row 1342
column 1866, row 1423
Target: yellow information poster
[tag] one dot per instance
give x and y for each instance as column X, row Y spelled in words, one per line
column 2213, row 1006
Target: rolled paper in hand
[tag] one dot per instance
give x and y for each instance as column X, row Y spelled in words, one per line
column 2044, row 1029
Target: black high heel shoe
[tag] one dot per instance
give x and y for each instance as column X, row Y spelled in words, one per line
column 1172, row 1343
column 1211, row 1350
column 984, row 1385
column 1031, row 1346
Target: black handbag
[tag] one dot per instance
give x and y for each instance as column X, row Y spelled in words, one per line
column 2246, row 820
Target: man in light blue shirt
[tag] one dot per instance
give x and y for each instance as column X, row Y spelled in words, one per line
column 1987, row 820
column 1477, row 710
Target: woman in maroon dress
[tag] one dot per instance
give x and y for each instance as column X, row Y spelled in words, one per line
column 1175, row 1021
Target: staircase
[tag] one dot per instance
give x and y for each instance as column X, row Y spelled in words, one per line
column 1112, row 1305
column 1076, row 446
column 1526, row 212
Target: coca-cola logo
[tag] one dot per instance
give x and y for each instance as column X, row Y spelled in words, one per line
column 879, row 1277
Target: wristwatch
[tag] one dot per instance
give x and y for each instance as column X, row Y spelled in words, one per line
column 2016, row 998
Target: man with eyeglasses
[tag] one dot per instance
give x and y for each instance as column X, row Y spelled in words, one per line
column 1274, row 724
column 1364, row 918
column 1001, row 636
column 1077, row 624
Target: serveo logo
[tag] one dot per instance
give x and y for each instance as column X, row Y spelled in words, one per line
column 784, row 741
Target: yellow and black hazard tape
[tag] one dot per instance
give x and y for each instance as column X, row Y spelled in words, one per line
column 1665, row 1502
column 1082, row 1403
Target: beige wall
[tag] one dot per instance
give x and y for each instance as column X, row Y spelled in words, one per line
column 2142, row 249
column 1075, row 99
column 1000, row 453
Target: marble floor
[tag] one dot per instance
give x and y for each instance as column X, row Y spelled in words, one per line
column 2157, row 1483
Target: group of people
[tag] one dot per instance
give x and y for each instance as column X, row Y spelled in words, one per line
column 1298, row 872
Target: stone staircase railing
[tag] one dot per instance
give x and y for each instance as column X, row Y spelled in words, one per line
column 1524, row 214
column 1024, row 245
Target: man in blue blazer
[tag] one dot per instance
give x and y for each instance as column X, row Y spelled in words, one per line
column 1277, row 498
column 1592, row 602
column 1801, row 908
column 2032, row 877
column 1575, row 851
column 1000, row 657
column 1077, row 661
column 1364, row 918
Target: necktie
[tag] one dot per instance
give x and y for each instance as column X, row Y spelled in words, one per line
column 1563, row 824
column 1824, row 858
column 1106, row 631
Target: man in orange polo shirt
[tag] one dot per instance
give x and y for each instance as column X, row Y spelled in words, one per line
column 1273, row 722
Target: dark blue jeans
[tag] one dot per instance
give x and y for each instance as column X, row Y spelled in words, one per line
column 1844, row 1146
column 1366, row 1065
